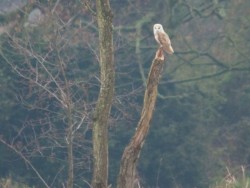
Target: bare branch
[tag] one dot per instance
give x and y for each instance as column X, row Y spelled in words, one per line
column 26, row 160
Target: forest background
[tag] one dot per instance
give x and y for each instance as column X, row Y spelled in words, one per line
column 199, row 134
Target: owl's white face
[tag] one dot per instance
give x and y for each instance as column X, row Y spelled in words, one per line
column 158, row 27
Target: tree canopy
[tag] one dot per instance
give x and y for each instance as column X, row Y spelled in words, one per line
column 50, row 82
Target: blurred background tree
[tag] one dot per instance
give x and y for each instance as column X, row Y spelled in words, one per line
column 201, row 121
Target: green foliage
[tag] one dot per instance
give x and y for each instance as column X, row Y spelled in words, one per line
column 201, row 121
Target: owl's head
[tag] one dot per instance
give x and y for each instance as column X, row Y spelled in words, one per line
column 158, row 27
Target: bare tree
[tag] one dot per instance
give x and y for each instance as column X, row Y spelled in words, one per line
column 104, row 103
column 49, row 90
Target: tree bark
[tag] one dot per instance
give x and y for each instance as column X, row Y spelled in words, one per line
column 104, row 103
column 127, row 175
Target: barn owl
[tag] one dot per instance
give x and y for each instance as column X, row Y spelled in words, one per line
column 162, row 38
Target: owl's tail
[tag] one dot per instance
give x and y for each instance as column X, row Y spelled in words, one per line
column 168, row 49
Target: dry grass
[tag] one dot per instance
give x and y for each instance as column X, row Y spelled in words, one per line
column 234, row 180
column 10, row 183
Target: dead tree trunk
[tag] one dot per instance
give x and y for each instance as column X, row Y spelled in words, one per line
column 127, row 175
column 103, row 106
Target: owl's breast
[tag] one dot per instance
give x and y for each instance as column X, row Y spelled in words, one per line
column 157, row 37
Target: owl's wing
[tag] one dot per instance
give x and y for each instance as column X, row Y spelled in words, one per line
column 165, row 42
